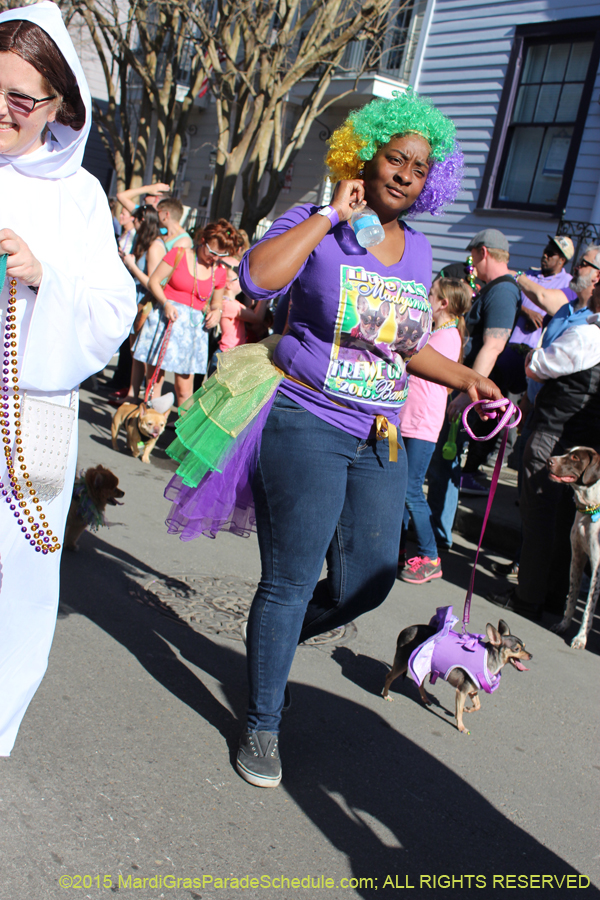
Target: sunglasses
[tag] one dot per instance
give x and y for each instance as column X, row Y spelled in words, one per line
column 22, row 103
column 231, row 268
column 585, row 263
column 215, row 252
column 140, row 211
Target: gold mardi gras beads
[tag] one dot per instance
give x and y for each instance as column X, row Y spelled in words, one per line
column 39, row 535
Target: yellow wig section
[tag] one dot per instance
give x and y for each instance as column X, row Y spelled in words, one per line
column 343, row 160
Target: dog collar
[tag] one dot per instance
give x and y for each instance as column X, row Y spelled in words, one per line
column 593, row 511
column 141, row 443
column 86, row 507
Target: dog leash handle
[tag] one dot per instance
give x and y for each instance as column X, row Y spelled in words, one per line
column 509, row 419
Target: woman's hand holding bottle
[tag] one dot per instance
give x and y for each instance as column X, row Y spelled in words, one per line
column 21, row 262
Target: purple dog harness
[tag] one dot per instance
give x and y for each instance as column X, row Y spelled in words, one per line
column 446, row 650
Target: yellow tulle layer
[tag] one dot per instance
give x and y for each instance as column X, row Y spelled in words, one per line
column 211, row 420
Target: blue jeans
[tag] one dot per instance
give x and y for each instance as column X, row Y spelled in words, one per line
column 418, row 454
column 444, row 485
column 319, row 494
column 212, row 366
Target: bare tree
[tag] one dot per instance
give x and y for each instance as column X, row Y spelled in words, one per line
column 256, row 53
column 153, row 68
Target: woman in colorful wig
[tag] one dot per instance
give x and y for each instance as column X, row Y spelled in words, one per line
column 330, row 479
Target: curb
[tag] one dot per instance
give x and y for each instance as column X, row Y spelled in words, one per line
column 499, row 537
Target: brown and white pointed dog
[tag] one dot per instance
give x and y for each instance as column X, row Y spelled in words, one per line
column 580, row 469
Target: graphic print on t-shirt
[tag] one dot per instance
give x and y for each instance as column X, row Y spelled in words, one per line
column 380, row 323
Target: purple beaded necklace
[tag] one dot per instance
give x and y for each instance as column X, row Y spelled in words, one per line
column 37, row 533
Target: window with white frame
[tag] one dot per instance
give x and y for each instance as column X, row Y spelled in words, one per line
column 541, row 117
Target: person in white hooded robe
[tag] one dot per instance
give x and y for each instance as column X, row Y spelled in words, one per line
column 74, row 303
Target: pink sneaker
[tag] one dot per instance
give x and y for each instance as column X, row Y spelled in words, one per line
column 421, row 569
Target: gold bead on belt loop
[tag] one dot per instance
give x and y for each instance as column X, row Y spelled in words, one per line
column 385, row 429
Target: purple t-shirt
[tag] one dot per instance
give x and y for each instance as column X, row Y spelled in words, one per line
column 353, row 323
column 523, row 332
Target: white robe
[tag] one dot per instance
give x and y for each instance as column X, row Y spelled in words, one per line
column 81, row 314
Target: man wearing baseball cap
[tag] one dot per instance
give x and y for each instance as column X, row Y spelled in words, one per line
column 551, row 274
column 489, row 323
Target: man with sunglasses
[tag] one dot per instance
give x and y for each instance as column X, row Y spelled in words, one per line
column 567, row 306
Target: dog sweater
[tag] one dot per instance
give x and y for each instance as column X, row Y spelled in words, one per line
column 446, row 650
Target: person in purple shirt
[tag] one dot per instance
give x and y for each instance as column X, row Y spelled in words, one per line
column 566, row 306
column 331, row 478
column 531, row 319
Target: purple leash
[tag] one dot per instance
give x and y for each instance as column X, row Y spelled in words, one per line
column 504, row 423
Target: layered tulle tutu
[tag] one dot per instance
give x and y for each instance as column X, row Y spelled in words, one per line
column 218, row 443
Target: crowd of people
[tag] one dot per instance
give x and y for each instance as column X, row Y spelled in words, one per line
column 357, row 391
column 187, row 295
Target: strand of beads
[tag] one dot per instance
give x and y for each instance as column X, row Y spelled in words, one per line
column 471, row 275
column 451, row 323
column 37, row 533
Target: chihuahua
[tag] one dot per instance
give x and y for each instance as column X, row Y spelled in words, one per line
column 501, row 647
column 144, row 427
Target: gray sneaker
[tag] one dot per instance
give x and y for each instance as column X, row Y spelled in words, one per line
column 258, row 758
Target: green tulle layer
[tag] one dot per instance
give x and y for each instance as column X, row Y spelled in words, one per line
column 211, row 420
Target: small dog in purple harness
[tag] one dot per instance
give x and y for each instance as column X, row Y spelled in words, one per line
column 469, row 662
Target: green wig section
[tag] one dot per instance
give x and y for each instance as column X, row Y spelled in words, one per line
column 378, row 122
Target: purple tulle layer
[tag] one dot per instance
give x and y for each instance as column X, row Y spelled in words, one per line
column 223, row 500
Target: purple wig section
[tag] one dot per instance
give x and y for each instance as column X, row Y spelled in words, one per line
column 223, row 500
column 442, row 186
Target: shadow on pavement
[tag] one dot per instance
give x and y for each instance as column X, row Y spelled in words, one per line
column 389, row 806
column 395, row 810
column 112, row 580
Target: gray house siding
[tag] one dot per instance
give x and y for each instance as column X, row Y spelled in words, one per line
column 463, row 70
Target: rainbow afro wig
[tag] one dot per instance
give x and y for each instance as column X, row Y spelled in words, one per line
column 367, row 129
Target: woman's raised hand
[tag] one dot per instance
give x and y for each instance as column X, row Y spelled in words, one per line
column 348, row 197
column 21, row 262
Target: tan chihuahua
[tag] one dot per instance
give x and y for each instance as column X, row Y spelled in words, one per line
column 144, row 426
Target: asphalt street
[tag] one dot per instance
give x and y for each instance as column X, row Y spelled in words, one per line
column 122, row 781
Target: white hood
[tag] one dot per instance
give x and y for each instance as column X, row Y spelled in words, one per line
column 62, row 153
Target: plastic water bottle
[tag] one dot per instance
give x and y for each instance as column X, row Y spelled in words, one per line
column 367, row 227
